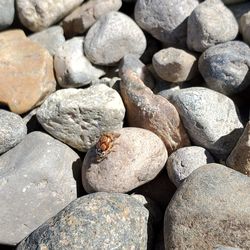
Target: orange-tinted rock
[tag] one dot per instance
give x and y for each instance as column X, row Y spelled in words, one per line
column 26, row 72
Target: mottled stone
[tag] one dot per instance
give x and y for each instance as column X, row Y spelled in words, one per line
column 211, row 208
column 7, row 13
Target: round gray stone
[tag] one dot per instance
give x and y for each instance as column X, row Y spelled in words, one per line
column 245, row 27
column 7, row 13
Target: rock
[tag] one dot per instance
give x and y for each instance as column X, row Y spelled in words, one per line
column 87, row 14
column 210, row 208
column 225, row 67
column 7, row 13
column 165, row 20
column 37, row 15
column 79, row 116
column 126, row 166
column 233, row 1
column 175, row 65
column 119, row 36
column 72, row 68
column 184, row 161
column 245, row 27
column 203, row 33
column 36, row 183
column 95, row 221
column 239, row 9
column 12, row 130
column 220, row 247
column 210, row 119
column 50, row 38
column 26, row 72
column 152, row 112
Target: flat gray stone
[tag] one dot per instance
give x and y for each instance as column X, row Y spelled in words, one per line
column 7, row 13
column 36, row 182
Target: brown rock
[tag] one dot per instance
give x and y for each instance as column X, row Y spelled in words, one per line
column 26, row 72
column 152, row 112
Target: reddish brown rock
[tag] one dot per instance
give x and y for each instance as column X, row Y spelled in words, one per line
column 26, row 72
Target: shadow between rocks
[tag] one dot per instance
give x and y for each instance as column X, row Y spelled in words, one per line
column 77, row 174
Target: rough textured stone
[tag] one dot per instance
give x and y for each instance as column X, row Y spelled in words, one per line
column 119, row 36
column 86, row 15
column 78, row 116
column 50, row 38
column 184, row 161
column 210, row 23
column 210, row 119
column 211, row 207
column 7, row 13
column 245, row 27
column 72, row 68
column 37, row 15
column 175, row 65
column 225, row 67
column 36, row 183
column 152, row 112
column 165, row 20
column 96, row 221
column 26, row 72
column 127, row 166
column 12, row 130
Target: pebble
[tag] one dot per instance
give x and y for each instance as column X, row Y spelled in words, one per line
column 119, row 36
column 77, row 117
column 245, row 27
column 36, row 183
column 12, row 130
column 7, row 13
column 71, row 66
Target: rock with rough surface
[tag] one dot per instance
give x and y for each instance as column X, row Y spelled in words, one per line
column 7, row 13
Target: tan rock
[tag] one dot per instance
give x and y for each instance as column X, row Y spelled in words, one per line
column 26, row 72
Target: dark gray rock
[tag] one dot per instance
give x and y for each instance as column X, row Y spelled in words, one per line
column 239, row 9
column 7, row 13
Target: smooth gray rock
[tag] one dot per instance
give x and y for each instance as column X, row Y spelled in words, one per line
column 12, row 130
column 210, row 118
column 211, row 208
column 239, row 9
column 79, row 116
column 72, row 68
column 165, row 20
column 225, row 67
column 7, row 13
column 36, row 182
column 220, row 247
column 96, row 221
column 119, row 36
column 245, row 27
column 233, row 1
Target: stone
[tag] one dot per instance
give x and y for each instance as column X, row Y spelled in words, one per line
column 26, row 72
column 175, row 65
column 12, row 130
column 37, row 15
column 245, row 27
column 210, row 118
column 126, row 166
column 95, row 221
column 7, row 13
column 36, row 183
column 210, row 208
column 239, row 9
column 78, row 117
column 72, row 68
column 225, row 67
column 50, row 38
column 210, row 23
column 184, row 161
column 220, row 247
column 153, row 112
column 233, row 1
column 83, row 17
column 119, row 36
column 165, row 20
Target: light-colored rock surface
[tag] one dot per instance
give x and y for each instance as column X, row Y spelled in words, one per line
column 26, row 72
column 78, row 116
column 36, row 183
column 7, row 13
column 245, row 27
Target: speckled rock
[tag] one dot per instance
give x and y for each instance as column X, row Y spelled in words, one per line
column 210, row 23
column 87, row 14
column 225, row 67
column 7, row 13
column 245, row 27
column 165, row 20
column 152, row 112
column 210, row 119
column 119, row 36
column 12, row 130
column 78, row 116
column 72, row 68
column 184, row 161
column 210, row 208
column 127, row 166
column 36, row 183
column 96, row 221
column 37, row 15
